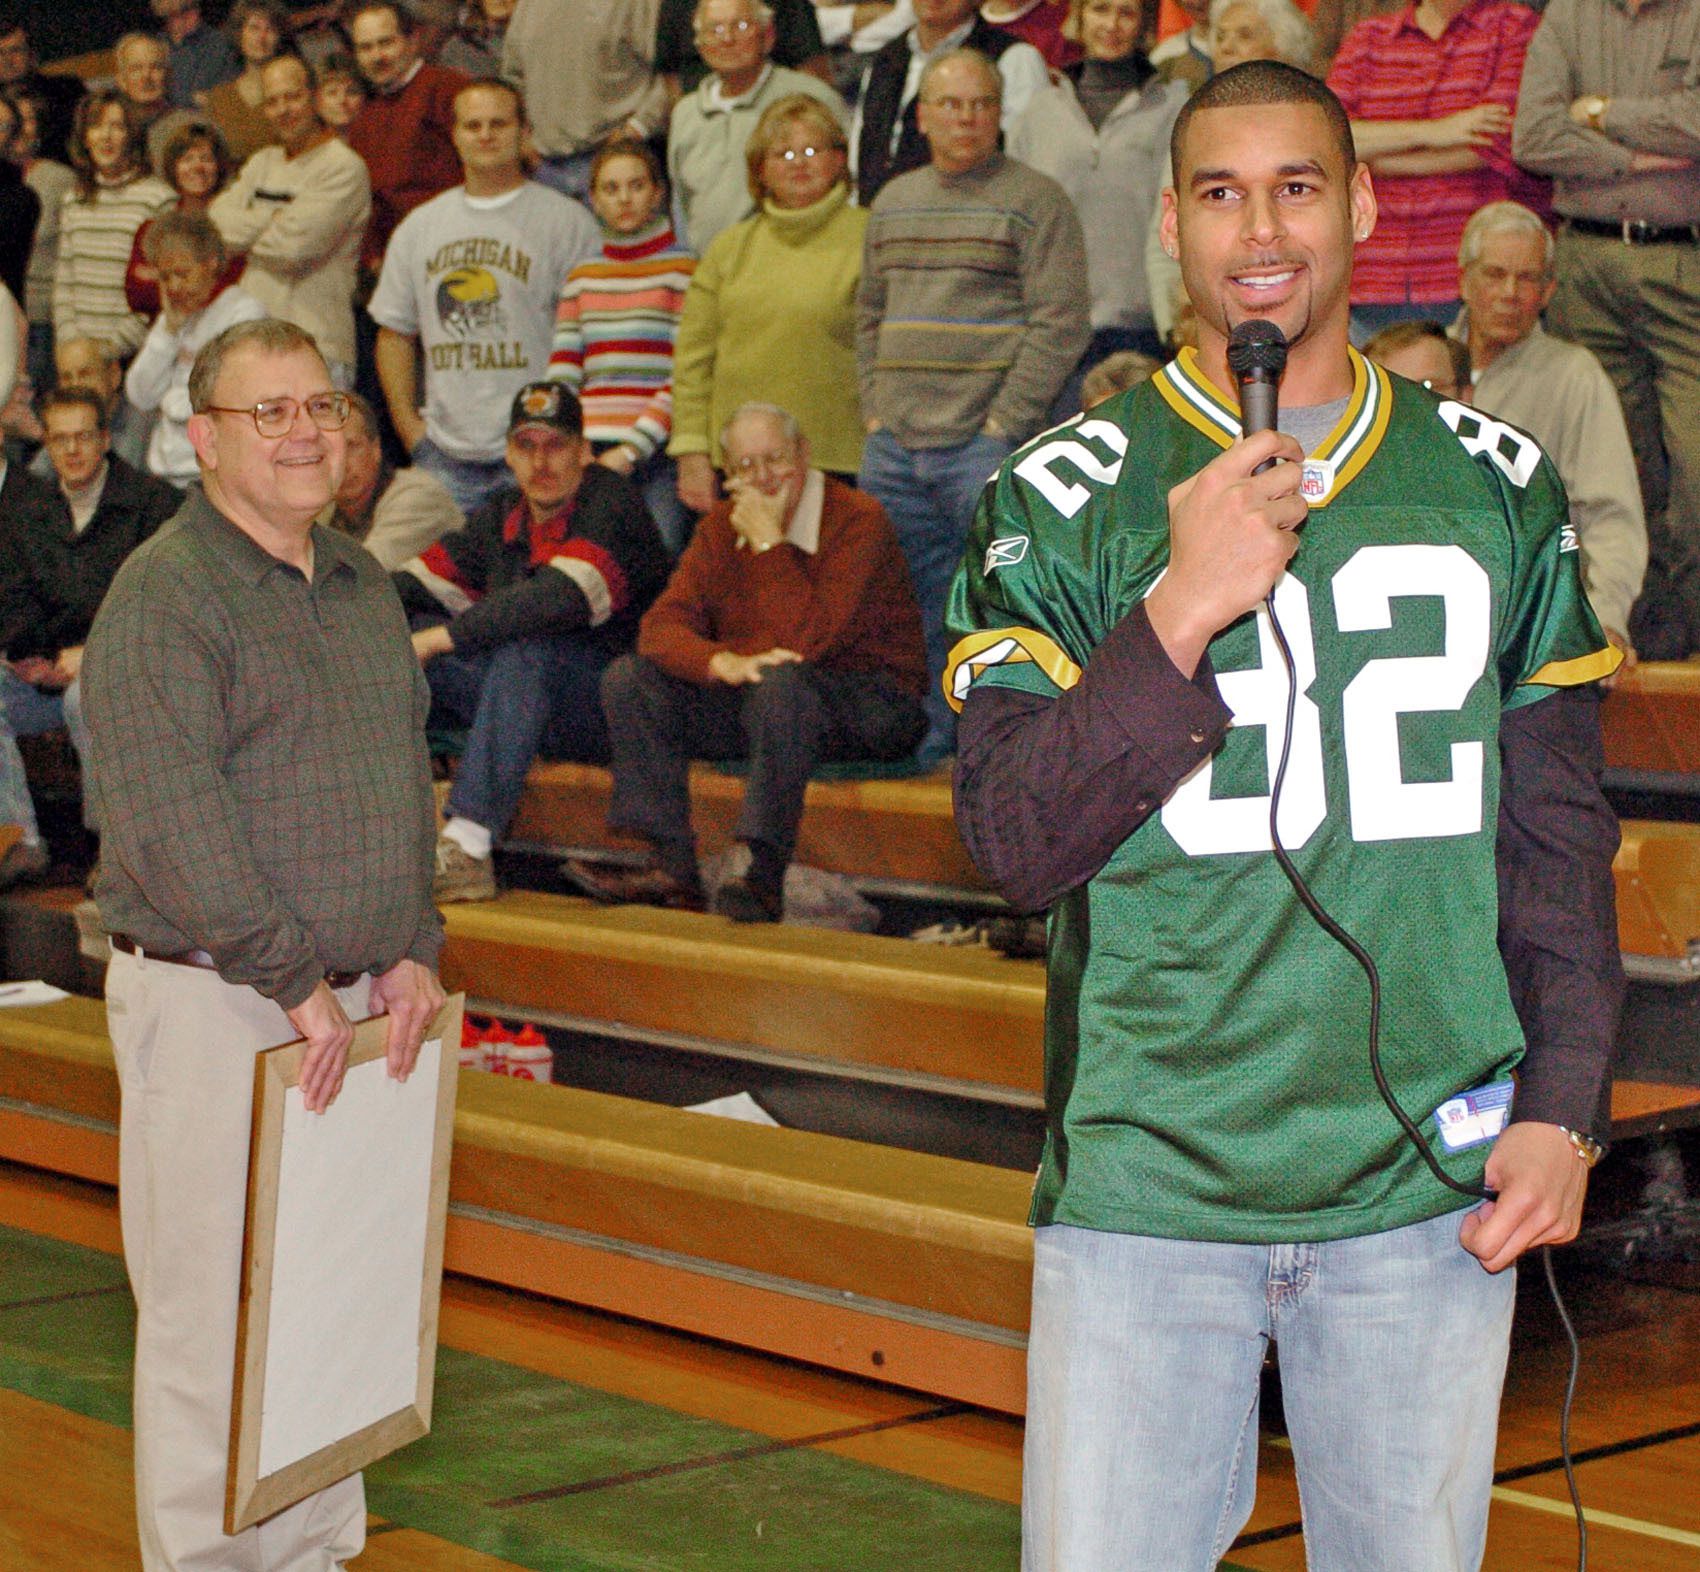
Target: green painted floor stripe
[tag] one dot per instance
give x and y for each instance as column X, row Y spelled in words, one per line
column 610, row 1484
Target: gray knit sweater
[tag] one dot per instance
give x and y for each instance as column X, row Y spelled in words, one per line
column 973, row 305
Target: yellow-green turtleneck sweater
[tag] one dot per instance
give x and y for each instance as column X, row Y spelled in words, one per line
column 771, row 315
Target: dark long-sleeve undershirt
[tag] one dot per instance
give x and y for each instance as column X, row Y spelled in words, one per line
column 1047, row 788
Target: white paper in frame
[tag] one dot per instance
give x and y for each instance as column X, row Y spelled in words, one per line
column 342, row 1265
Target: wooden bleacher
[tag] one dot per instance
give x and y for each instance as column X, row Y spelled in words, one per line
column 891, row 1264
column 965, row 1020
column 1652, row 720
column 895, row 832
column 887, row 1263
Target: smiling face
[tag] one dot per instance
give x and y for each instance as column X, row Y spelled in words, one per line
column 287, row 102
column 1506, row 289
column 1263, row 216
column 625, row 196
column 384, row 52
column 339, row 99
column 282, row 481
column 730, row 39
column 1109, row 29
column 958, row 114
column 195, row 174
column 108, row 140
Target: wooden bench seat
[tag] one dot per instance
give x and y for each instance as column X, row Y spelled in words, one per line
column 1651, row 720
column 966, row 1019
column 892, row 831
column 890, row 1263
column 909, row 1268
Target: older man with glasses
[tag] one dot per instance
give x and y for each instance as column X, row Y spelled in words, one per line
column 789, row 636
column 712, row 123
column 260, row 776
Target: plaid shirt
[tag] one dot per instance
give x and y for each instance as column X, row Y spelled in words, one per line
column 259, row 764
column 1388, row 68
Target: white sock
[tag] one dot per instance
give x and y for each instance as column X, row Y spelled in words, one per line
column 473, row 839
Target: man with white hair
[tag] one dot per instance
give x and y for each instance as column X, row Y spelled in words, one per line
column 788, row 635
column 1560, row 394
column 142, row 73
column 713, row 122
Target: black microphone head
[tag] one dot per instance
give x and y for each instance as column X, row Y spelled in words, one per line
column 1257, row 349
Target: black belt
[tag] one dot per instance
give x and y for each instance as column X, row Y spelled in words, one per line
column 1632, row 232
column 204, row 962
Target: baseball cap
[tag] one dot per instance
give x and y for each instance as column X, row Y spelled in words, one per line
column 546, row 404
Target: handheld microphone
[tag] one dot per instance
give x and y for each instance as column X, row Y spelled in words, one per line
column 1257, row 355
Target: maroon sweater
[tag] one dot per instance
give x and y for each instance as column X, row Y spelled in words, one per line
column 847, row 607
column 409, row 152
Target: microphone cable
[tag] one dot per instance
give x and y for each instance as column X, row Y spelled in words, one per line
column 1330, row 925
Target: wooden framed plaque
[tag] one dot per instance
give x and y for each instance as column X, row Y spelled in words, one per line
column 342, row 1265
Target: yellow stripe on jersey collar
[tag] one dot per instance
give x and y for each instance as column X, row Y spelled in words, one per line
column 1341, row 457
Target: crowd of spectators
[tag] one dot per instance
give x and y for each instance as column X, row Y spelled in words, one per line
column 767, row 288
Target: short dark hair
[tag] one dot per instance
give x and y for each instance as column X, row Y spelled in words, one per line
column 489, row 84
column 73, row 398
column 406, row 23
column 1261, row 84
column 1402, row 335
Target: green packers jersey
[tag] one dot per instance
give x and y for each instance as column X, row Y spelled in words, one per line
column 1207, row 1074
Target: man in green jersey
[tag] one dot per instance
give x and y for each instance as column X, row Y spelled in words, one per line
column 1219, row 1168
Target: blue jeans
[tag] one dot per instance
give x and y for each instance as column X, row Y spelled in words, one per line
column 929, row 495
column 522, row 700
column 28, row 712
column 468, row 481
column 1142, row 1380
column 568, row 173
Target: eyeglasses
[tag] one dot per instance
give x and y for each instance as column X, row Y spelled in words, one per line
column 967, row 106
column 771, row 463
column 275, row 417
column 807, row 155
column 721, row 32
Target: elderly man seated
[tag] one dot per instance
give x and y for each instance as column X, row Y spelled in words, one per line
column 517, row 615
column 789, row 636
column 394, row 513
column 1561, row 395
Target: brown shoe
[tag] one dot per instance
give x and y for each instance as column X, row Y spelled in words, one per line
column 743, row 901
column 645, row 886
column 460, row 876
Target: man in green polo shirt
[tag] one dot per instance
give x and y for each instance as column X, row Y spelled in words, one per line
column 256, row 717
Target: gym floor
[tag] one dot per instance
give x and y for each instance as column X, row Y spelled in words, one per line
column 572, row 1442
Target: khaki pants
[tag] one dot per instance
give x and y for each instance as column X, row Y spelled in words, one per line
column 1638, row 309
column 185, row 1042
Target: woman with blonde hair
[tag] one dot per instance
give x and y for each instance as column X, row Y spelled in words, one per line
column 771, row 311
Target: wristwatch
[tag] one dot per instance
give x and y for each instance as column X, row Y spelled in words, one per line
column 1594, row 109
column 1587, row 1148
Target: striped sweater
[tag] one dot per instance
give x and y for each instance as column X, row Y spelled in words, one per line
column 614, row 331
column 95, row 237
